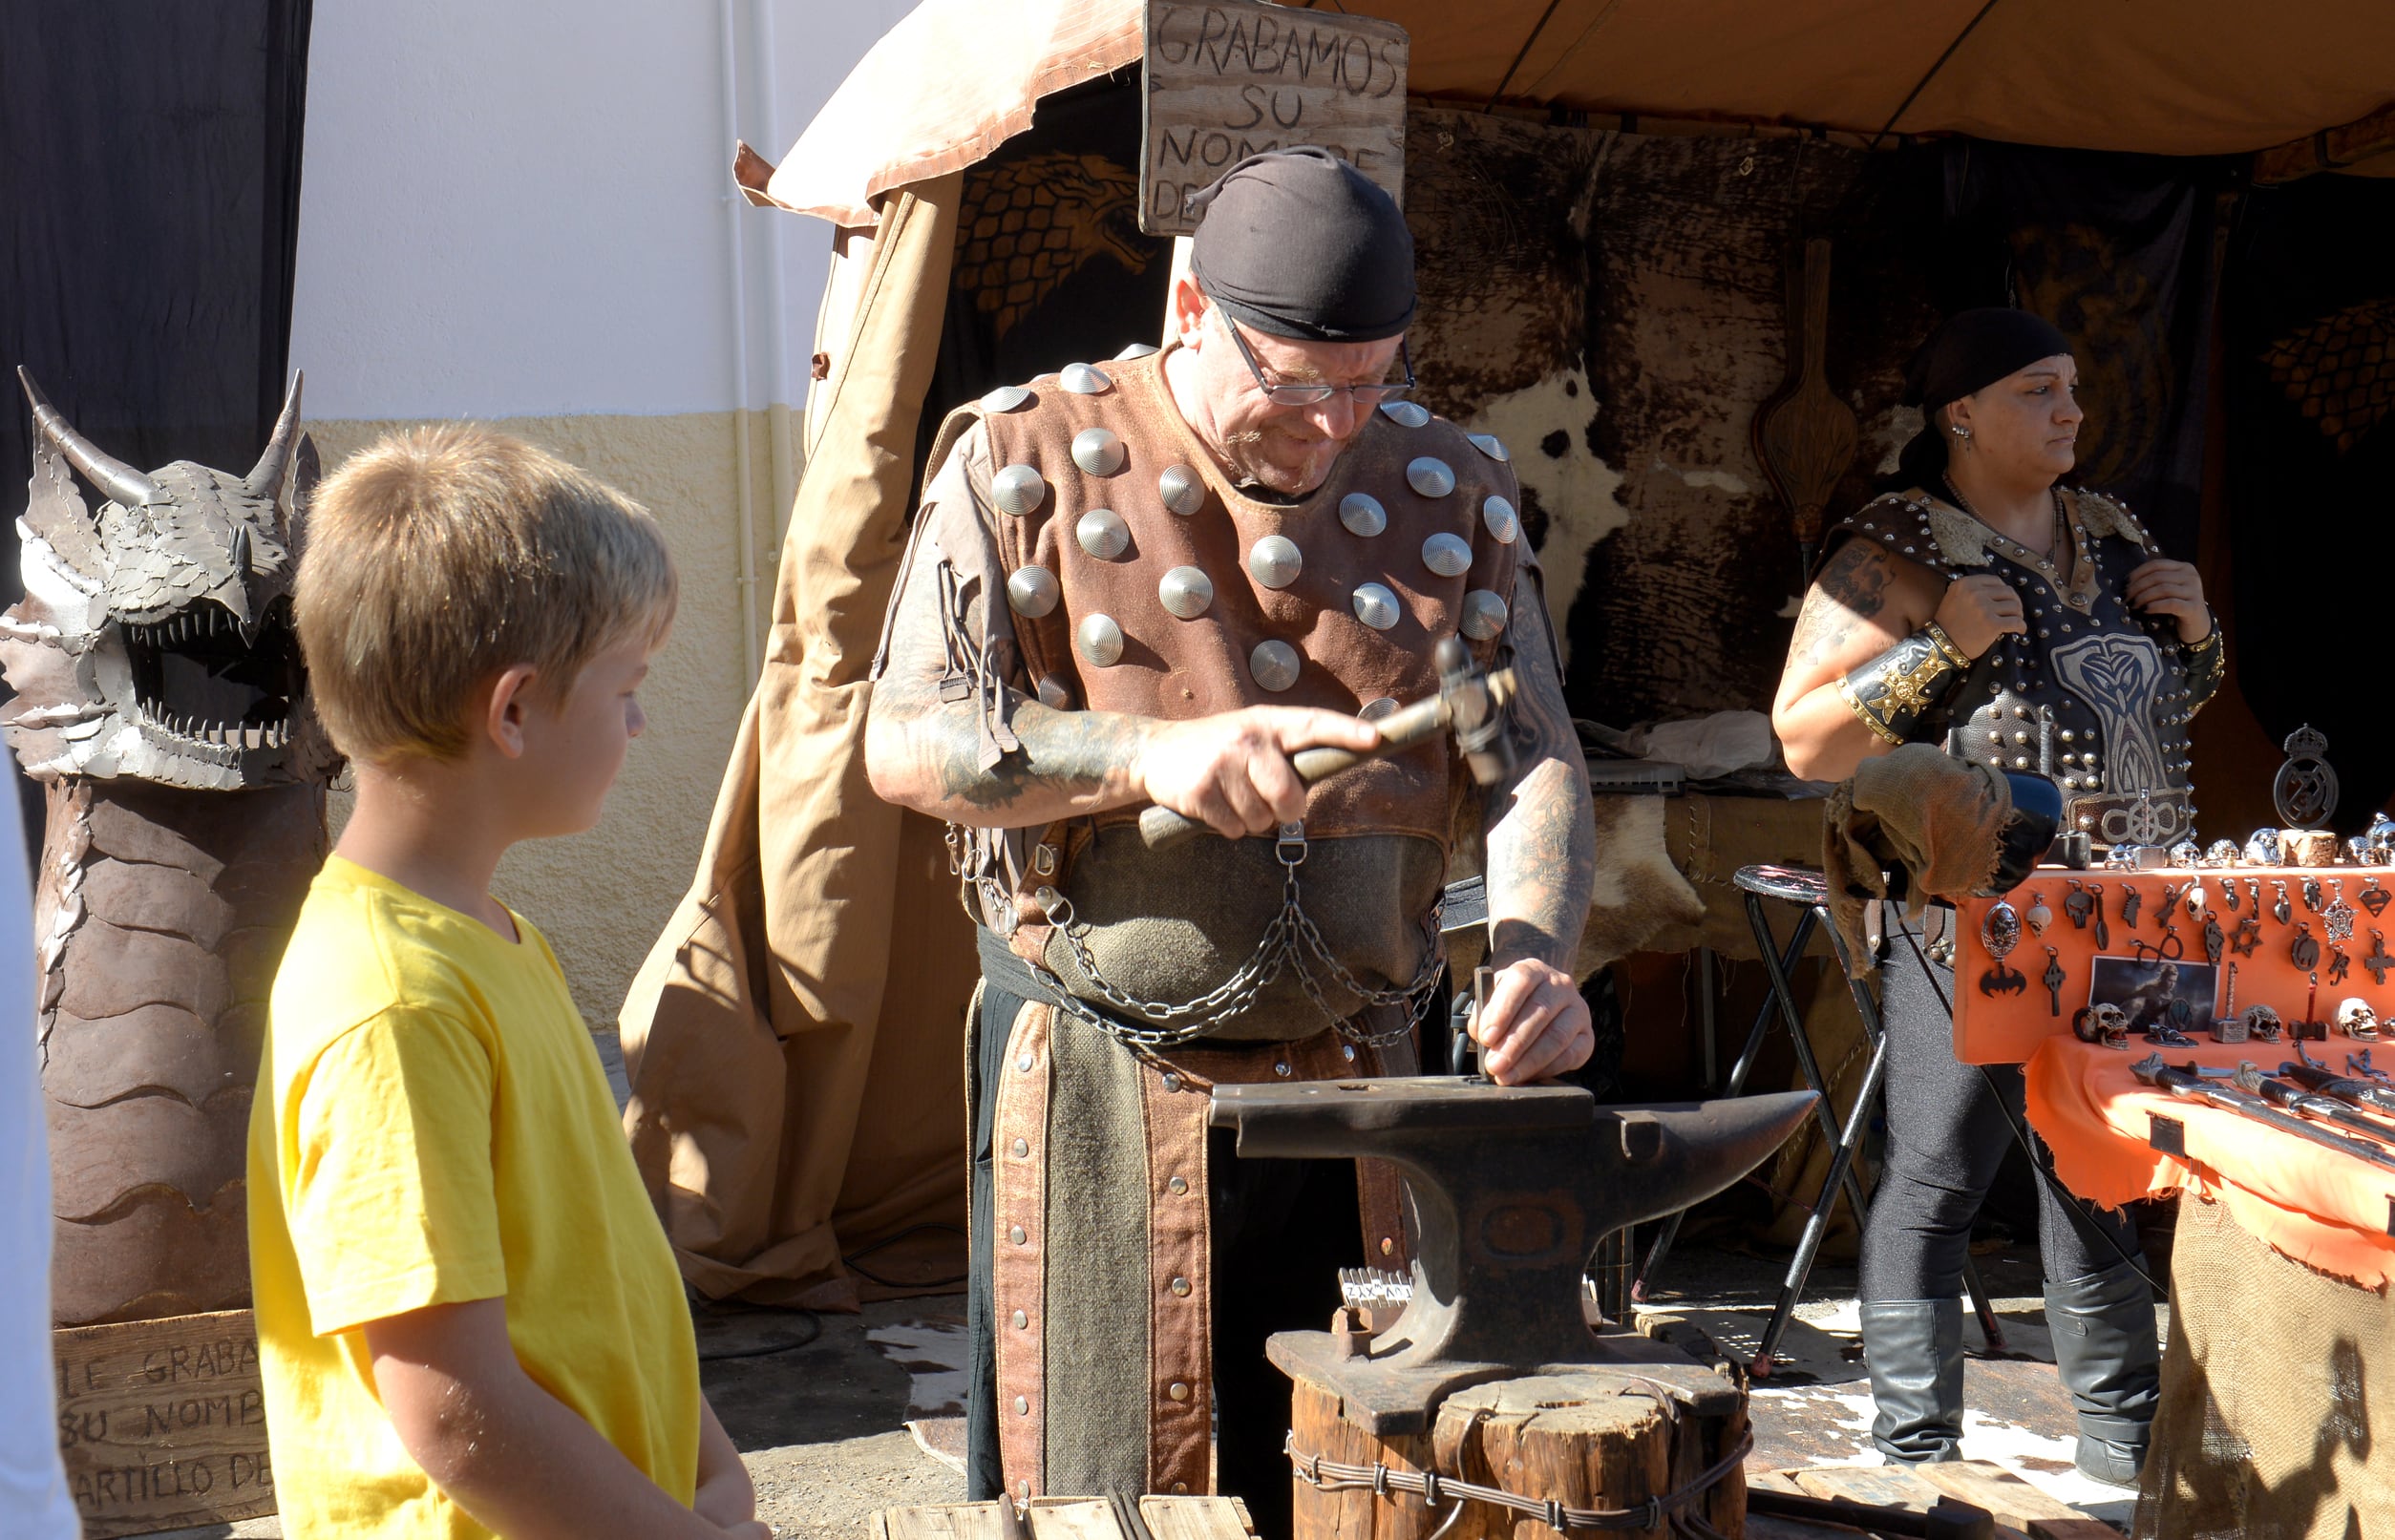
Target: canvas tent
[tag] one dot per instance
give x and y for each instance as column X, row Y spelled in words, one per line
column 1601, row 258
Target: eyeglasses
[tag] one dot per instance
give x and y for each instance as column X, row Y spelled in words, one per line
column 1291, row 393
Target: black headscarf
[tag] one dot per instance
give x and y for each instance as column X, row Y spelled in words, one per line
column 1300, row 244
column 1969, row 353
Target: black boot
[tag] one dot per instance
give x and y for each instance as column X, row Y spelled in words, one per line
column 1914, row 1349
column 2103, row 1343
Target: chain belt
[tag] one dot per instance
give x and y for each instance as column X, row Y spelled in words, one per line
column 1291, row 941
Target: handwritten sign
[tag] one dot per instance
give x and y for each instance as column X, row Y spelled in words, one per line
column 1229, row 78
column 163, row 1422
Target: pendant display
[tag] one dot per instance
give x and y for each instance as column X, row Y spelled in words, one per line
column 2170, row 949
column 2053, row 978
column 2304, row 951
column 2378, row 961
column 2374, row 898
column 2280, row 910
column 2039, row 916
column 2229, row 893
column 2103, row 931
column 2311, row 894
column 2247, row 939
column 2194, row 899
column 2000, row 932
column 2339, row 964
column 2254, row 891
column 2130, row 900
column 2171, row 892
column 2358, row 1064
column 2078, row 903
column 2215, row 940
column 2337, row 920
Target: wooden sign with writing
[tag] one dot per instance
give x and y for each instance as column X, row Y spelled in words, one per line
column 1225, row 79
column 163, row 1422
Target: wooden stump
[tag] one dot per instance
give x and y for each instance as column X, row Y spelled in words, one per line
column 1593, row 1438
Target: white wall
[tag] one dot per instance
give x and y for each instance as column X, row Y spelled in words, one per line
column 518, row 207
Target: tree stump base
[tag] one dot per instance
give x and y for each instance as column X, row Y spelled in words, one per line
column 1590, row 1438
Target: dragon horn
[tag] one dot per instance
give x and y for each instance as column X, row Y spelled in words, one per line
column 112, row 476
column 265, row 477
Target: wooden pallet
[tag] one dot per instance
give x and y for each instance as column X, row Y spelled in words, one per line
column 2021, row 1511
column 162, row 1423
column 1070, row 1518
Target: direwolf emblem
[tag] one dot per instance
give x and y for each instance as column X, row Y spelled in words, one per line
column 2118, row 675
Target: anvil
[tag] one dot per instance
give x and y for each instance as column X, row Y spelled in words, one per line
column 1512, row 1185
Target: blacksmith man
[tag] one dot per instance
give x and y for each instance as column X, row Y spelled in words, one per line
column 1153, row 581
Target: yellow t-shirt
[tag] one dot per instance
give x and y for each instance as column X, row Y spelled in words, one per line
column 432, row 1126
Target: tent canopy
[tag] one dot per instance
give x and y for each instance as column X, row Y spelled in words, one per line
column 957, row 77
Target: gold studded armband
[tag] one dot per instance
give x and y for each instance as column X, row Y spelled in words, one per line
column 2204, row 664
column 1892, row 691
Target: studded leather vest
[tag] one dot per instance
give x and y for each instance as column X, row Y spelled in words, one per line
column 1142, row 581
column 2095, row 696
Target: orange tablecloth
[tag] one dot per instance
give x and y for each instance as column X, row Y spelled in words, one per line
column 2325, row 1209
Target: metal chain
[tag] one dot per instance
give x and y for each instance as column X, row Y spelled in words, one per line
column 1327, row 1476
column 1287, row 942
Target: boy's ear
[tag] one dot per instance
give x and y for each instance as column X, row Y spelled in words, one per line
column 510, row 704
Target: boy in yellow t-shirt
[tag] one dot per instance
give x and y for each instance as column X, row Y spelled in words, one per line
column 469, row 1320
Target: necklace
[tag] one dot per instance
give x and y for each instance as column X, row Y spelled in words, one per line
column 2066, row 533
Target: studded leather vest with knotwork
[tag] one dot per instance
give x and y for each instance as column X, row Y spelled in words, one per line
column 1142, row 581
column 2095, row 696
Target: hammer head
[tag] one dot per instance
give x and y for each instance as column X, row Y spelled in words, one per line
column 1474, row 704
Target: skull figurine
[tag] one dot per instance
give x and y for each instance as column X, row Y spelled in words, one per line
column 2187, row 852
column 2263, row 1023
column 2104, row 1022
column 2261, row 849
column 2357, row 1019
column 2223, row 853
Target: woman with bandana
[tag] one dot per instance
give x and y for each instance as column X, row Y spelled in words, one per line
column 2032, row 626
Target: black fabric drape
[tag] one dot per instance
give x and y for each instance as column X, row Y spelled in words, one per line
column 2309, row 316
column 149, row 219
column 2118, row 251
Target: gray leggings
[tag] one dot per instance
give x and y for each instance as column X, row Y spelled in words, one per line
column 1946, row 1136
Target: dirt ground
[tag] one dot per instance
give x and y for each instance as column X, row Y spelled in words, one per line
column 823, row 1423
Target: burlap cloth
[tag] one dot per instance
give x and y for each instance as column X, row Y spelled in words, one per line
column 2265, row 1430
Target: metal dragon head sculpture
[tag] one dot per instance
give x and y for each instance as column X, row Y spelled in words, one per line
column 155, row 638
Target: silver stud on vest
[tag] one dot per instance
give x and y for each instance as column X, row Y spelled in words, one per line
column 1005, row 398
column 1138, row 350
column 1484, row 615
column 1446, row 555
column 1275, row 562
column 1430, row 476
column 1100, row 641
column 1362, row 513
column 1376, row 606
column 1185, row 592
column 1017, row 490
column 1500, row 519
column 1491, row 445
column 1083, row 380
column 1054, row 693
column 1374, row 711
column 1180, row 489
column 1097, row 451
column 1103, row 534
column 1032, row 591
column 1275, row 665
column 1406, row 414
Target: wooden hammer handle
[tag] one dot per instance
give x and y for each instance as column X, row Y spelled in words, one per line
column 1162, row 828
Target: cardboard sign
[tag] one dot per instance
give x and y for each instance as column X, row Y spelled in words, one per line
column 163, row 1422
column 1225, row 79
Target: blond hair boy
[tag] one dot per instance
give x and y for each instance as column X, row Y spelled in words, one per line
column 469, row 1320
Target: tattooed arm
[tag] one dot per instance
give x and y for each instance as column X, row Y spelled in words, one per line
column 1864, row 601
column 925, row 742
column 1541, row 866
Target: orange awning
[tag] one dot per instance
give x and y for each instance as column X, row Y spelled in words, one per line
column 957, row 77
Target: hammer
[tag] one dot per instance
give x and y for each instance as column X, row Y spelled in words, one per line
column 1470, row 701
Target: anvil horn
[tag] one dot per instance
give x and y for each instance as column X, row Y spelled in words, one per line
column 265, row 478
column 111, row 474
column 1513, row 1186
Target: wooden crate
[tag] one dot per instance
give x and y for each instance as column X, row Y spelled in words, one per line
column 1070, row 1518
column 163, row 1422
